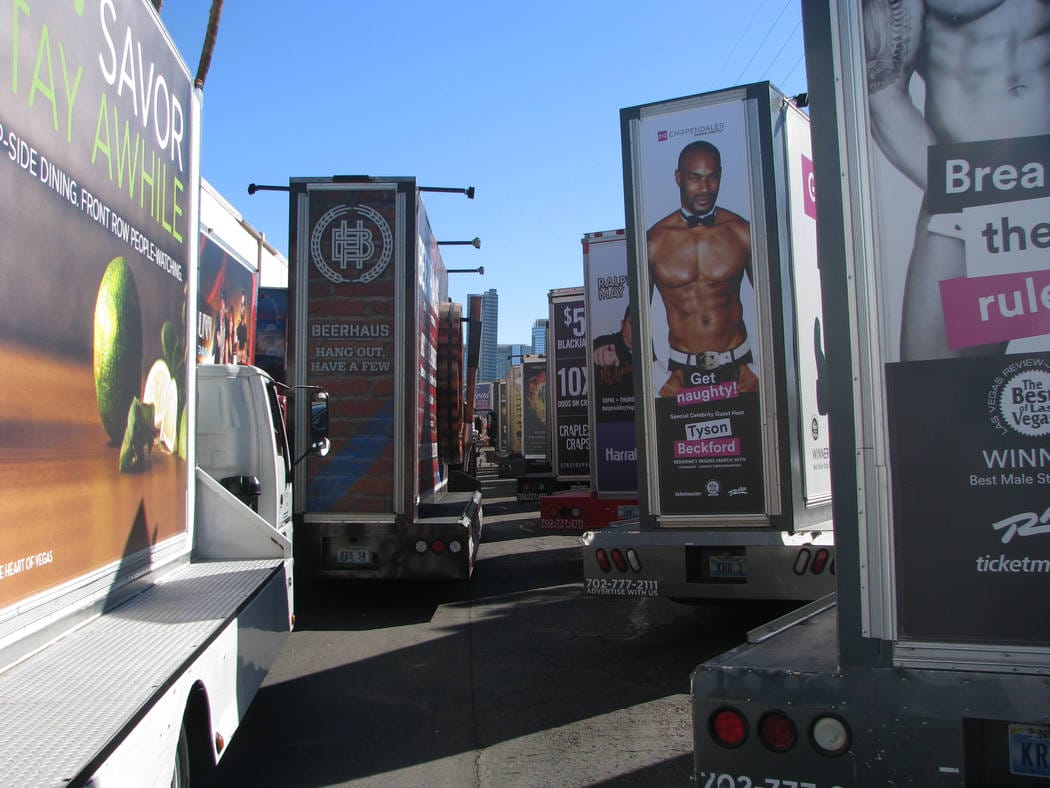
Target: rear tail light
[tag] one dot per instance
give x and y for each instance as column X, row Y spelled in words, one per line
column 633, row 560
column 619, row 560
column 603, row 560
column 728, row 727
column 437, row 546
column 777, row 732
column 820, row 561
column 802, row 561
column 829, row 735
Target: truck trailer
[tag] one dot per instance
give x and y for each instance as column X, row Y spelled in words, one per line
column 531, row 398
column 612, row 475
column 146, row 575
column 369, row 319
column 932, row 667
column 568, row 428
column 733, row 473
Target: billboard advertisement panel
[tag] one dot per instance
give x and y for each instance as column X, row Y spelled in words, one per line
column 272, row 331
column 960, row 197
column 97, row 256
column 226, row 298
column 439, row 374
column 809, row 338
column 568, row 357
column 614, row 467
column 534, row 407
column 692, row 193
column 347, row 267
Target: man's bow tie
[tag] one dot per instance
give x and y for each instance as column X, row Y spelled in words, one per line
column 693, row 220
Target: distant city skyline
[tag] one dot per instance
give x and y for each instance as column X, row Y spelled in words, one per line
column 497, row 358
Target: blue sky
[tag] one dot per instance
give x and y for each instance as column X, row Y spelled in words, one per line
column 519, row 100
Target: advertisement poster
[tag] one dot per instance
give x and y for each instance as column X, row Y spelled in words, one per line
column 693, row 193
column 615, row 454
column 349, row 273
column 961, row 204
column 440, row 376
column 809, row 347
column 96, row 259
column 514, row 410
column 572, row 446
column 534, row 407
column 483, row 398
column 225, row 306
column 272, row 331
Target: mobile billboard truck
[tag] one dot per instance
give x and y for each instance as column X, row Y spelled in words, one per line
column 932, row 667
column 733, row 468
column 603, row 362
column 369, row 319
column 531, row 401
column 568, row 430
column 511, row 464
column 145, row 550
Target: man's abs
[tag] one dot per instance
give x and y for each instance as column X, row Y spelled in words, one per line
column 987, row 69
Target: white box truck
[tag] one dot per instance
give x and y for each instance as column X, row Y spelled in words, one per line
column 733, row 473
column 932, row 668
column 145, row 545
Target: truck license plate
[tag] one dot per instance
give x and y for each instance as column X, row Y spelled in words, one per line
column 353, row 556
column 1030, row 750
column 727, row 566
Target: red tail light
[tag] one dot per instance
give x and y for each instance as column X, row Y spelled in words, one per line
column 777, row 731
column 728, row 727
column 603, row 560
column 820, row 560
column 619, row 560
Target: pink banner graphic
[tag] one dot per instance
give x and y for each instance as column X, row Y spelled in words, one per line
column 809, row 189
column 985, row 309
column 712, row 393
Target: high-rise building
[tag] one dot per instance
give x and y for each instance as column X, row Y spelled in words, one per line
column 508, row 356
column 488, row 368
column 539, row 337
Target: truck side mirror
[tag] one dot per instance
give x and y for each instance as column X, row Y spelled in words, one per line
column 319, row 443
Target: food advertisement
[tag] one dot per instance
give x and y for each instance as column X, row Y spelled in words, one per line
column 98, row 168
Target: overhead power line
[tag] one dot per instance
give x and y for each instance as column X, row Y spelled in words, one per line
column 763, row 41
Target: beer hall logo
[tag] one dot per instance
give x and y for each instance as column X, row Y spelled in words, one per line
column 351, row 243
column 1019, row 399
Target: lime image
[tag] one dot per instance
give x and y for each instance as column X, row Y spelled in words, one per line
column 117, row 347
column 161, row 391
